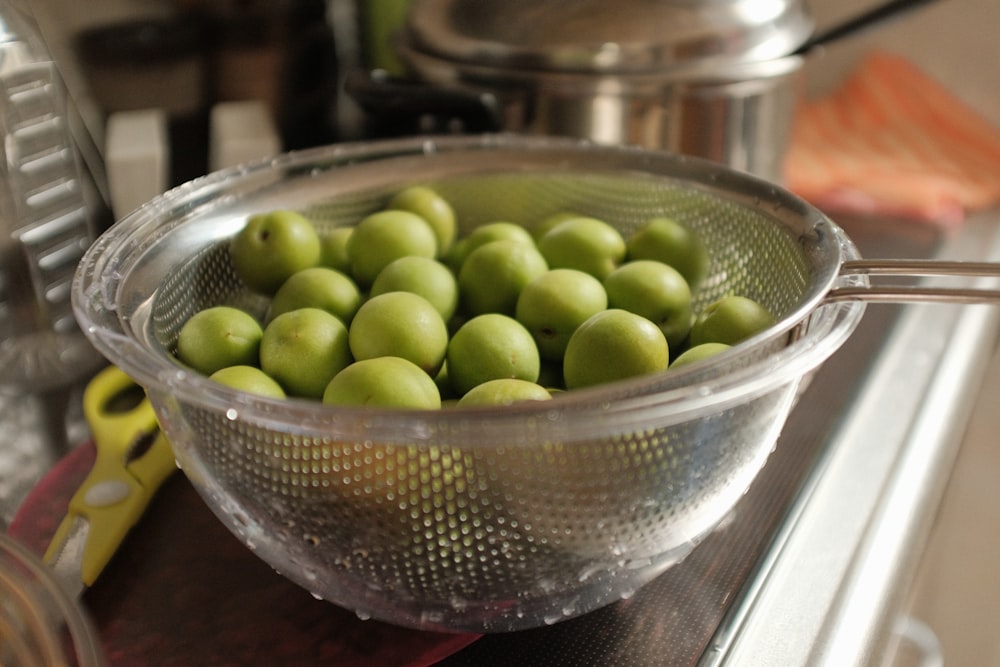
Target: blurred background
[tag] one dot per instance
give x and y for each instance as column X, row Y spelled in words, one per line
column 186, row 56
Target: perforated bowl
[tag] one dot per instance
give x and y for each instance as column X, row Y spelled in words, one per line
column 479, row 519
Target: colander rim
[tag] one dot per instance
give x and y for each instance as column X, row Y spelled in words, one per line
column 96, row 308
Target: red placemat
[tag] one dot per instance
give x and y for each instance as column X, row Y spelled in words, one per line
column 182, row 590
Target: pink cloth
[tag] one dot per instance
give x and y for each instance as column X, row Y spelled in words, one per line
column 892, row 141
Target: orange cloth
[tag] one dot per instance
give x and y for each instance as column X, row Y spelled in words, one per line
column 892, row 141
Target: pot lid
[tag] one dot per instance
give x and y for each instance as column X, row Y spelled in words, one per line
column 603, row 36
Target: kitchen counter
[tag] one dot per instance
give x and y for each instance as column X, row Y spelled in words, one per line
column 955, row 593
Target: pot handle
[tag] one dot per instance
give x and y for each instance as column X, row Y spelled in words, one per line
column 875, row 16
column 399, row 106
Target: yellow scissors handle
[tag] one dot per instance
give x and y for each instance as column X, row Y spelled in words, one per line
column 133, row 459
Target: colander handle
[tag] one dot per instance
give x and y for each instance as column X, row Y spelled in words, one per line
column 915, row 268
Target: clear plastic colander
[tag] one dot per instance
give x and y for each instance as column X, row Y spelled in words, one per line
column 476, row 519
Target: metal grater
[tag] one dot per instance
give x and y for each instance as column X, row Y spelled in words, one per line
column 45, row 225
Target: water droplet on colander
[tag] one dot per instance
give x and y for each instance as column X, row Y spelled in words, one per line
column 318, row 596
column 552, row 619
column 627, row 593
column 431, row 617
column 546, row 585
column 362, row 614
column 232, row 414
column 589, row 571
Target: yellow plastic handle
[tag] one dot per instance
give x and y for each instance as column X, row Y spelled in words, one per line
column 116, row 491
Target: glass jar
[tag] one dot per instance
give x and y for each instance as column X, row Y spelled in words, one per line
column 40, row 624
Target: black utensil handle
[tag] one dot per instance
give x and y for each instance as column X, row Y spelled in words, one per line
column 404, row 103
column 869, row 19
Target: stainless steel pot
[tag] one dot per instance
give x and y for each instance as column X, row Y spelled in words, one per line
column 711, row 78
column 717, row 79
column 739, row 117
